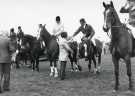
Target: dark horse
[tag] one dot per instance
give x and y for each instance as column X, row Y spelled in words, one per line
column 87, row 47
column 121, row 41
column 24, row 49
column 31, row 50
column 36, row 52
column 73, row 57
column 52, row 50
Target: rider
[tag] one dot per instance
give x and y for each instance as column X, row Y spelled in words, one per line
column 58, row 28
column 20, row 34
column 129, row 7
column 88, row 32
column 12, row 34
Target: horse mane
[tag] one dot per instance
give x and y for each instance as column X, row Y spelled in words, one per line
column 116, row 15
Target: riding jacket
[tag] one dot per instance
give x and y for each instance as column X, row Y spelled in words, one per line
column 87, row 30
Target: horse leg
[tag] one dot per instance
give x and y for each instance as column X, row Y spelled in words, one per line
column 72, row 68
column 52, row 68
column 95, row 65
column 89, row 65
column 129, row 73
column 37, row 64
column 55, row 69
column 116, row 69
column 17, row 62
column 79, row 66
column 1, row 78
column 99, row 63
column 32, row 63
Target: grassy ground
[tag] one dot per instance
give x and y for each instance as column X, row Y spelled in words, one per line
column 24, row 82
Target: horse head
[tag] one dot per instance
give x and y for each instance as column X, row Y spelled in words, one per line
column 110, row 16
column 45, row 35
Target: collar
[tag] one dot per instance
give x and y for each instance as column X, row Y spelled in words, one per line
column 85, row 26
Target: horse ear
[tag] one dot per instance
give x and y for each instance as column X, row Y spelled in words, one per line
column 111, row 3
column 44, row 25
column 104, row 4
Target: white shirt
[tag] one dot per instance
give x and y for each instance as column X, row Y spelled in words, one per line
column 58, row 28
column 63, row 46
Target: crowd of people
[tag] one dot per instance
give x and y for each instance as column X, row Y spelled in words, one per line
column 8, row 48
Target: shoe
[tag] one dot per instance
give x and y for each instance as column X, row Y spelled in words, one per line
column 1, row 91
column 6, row 89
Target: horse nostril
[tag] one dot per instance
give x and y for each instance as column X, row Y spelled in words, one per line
column 105, row 29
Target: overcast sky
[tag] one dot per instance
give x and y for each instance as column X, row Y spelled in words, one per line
column 30, row 13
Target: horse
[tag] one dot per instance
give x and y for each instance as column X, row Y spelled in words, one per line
column 52, row 50
column 87, row 50
column 24, row 49
column 99, row 47
column 73, row 57
column 36, row 52
column 122, row 42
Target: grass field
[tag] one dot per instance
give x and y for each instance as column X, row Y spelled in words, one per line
column 25, row 82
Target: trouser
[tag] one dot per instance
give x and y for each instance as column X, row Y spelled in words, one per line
column 62, row 69
column 5, row 75
column 87, row 44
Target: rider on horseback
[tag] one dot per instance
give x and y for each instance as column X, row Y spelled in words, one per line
column 20, row 33
column 88, row 32
column 129, row 7
column 58, row 28
column 12, row 34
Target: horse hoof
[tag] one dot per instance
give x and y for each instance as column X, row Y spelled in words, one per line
column 114, row 91
column 56, row 75
column 130, row 89
column 51, row 74
column 72, row 70
column 95, row 71
column 98, row 72
column 91, row 71
column 76, row 70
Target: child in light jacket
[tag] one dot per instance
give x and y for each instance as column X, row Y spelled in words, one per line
column 63, row 55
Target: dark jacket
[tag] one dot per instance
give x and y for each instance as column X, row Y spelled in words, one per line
column 87, row 30
column 5, row 49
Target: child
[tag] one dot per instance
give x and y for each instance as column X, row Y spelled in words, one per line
column 63, row 55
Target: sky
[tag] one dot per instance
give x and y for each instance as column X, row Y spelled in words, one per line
column 30, row 13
